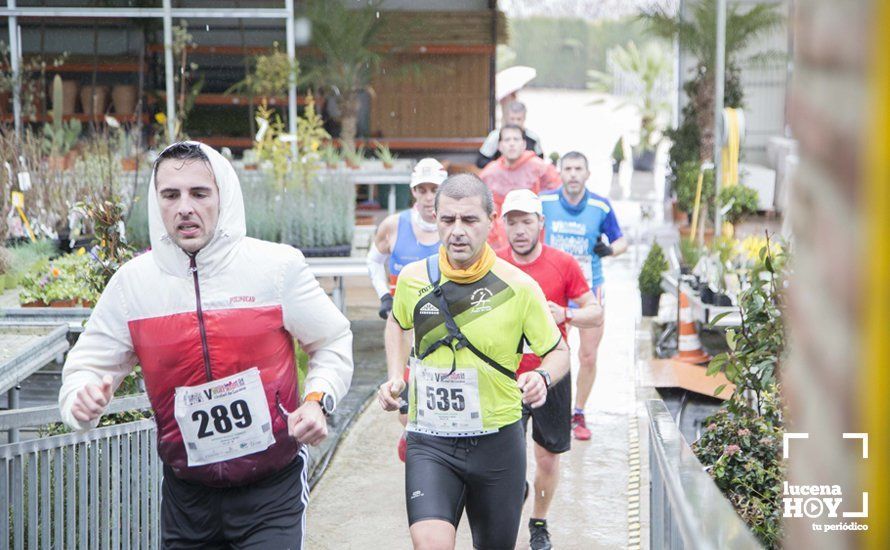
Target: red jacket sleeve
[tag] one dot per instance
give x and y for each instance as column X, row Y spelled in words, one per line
column 550, row 179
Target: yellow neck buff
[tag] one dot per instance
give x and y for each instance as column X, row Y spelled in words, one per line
column 471, row 274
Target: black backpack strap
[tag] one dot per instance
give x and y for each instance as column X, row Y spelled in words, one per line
column 455, row 339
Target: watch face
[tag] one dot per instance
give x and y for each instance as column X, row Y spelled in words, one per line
column 327, row 403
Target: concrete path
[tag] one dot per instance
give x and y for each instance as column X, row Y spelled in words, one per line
column 360, row 502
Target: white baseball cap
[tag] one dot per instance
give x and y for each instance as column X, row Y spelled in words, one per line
column 428, row 170
column 522, row 200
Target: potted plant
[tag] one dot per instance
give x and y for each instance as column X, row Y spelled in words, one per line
column 649, row 67
column 60, row 136
column 330, row 156
column 695, row 34
column 723, row 251
column 385, row 155
column 690, row 253
column 269, row 78
column 125, row 142
column 617, row 155
column 250, row 159
column 737, row 202
column 344, row 36
column 649, row 280
column 59, row 283
column 352, row 156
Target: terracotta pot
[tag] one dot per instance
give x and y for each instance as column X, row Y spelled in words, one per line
column 69, row 96
column 36, row 303
column 64, row 303
column 62, row 163
column 123, row 96
column 679, row 216
column 93, row 101
column 129, row 164
column 387, row 165
column 56, row 163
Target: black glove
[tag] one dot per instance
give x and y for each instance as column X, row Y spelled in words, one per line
column 385, row 306
column 602, row 249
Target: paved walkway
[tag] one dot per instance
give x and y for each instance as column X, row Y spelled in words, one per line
column 360, row 503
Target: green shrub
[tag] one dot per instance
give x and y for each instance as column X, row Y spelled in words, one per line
column 741, row 444
column 6, row 260
column 25, row 256
column 137, row 220
column 690, row 253
column 650, row 275
column 743, row 454
column 757, row 346
column 686, row 184
column 59, row 279
column 743, row 199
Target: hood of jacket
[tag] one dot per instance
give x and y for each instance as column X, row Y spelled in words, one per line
column 523, row 158
column 230, row 227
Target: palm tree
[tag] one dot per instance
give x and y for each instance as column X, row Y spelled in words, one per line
column 698, row 35
column 650, row 67
column 344, row 37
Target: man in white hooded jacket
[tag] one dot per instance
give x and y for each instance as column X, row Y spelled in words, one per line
column 211, row 316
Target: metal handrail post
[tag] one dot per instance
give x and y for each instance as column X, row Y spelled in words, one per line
column 292, row 78
column 719, row 81
column 168, row 69
column 15, row 58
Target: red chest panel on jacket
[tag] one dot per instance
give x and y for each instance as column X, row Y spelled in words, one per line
column 171, row 355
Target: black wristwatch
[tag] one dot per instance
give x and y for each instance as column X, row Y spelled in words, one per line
column 546, row 375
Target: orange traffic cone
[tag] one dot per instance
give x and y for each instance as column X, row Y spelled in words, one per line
column 689, row 348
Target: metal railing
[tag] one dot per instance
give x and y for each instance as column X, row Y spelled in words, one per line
column 34, row 347
column 687, row 510
column 73, row 317
column 95, row 489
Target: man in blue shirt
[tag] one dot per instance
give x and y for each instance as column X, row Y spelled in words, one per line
column 576, row 221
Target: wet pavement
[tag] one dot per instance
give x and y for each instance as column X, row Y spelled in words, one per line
column 360, row 502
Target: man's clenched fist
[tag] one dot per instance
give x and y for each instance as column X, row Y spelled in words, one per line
column 91, row 400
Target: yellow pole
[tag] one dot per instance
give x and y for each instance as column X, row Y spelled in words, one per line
column 695, row 209
column 18, row 200
column 730, row 158
column 874, row 378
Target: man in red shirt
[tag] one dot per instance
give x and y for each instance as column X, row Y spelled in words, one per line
column 561, row 279
column 516, row 168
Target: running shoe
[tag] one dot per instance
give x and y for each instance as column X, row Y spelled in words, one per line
column 403, row 446
column 540, row 537
column 579, row 427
